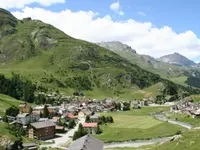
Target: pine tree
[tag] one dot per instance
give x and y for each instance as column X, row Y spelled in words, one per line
column 87, row 119
column 99, row 130
column 45, row 112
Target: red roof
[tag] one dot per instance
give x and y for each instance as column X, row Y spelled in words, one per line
column 56, row 118
column 90, row 125
column 70, row 115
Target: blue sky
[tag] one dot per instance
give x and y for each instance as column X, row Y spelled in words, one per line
column 180, row 16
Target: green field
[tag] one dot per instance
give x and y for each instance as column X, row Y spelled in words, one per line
column 137, row 125
column 180, row 80
column 6, row 102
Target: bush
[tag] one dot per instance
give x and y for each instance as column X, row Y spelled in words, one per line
column 5, row 118
column 178, row 132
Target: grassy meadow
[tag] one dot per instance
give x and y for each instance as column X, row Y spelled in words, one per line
column 137, row 125
column 6, row 102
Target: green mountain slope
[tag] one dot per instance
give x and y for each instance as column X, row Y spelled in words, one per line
column 144, row 61
column 178, row 74
column 50, row 58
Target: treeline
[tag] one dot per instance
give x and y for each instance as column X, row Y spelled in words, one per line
column 17, row 88
column 193, row 81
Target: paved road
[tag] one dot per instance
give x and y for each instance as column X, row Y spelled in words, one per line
column 63, row 138
column 140, row 143
column 162, row 117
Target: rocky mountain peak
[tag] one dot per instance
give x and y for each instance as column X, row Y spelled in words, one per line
column 177, row 59
column 116, row 46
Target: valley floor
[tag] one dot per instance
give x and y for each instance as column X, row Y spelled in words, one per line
column 137, row 125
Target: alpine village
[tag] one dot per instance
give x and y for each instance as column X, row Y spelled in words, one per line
column 62, row 93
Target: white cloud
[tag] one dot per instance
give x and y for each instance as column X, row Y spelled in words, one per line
column 116, row 8
column 141, row 13
column 142, row 36
column 21, row 3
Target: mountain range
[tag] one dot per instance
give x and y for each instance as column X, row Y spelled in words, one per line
column 174, row 67
column 54, row 60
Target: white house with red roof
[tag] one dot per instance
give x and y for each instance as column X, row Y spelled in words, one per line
column 91, row 127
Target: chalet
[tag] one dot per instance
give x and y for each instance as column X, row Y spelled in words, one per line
column 86, row 142
column 42, row 130
column 90, row 127
column 24, row 108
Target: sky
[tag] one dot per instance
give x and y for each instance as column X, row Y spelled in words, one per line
column 151, row 27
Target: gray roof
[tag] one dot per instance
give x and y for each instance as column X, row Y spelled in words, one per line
column 22, row 115
column 43, row 119
column 29, row 144
column 86, row 142
column 95, row 116
column 43, row 124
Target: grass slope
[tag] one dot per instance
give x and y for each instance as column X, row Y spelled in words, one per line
column 6, row 102
column 189, row 141
column 50, row 58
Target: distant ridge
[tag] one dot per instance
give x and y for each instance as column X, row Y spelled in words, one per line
column 177, row 59
column 116, row 46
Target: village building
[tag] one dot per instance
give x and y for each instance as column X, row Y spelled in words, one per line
column 91, row 127
column 81, row 114
column 26, row 118
column 86, row 142
column 69, row 116
column 60, row 129
column 42, row 130
column 38, row 108
column 94, row 118
column 186, row 107
column 43, row 119
column 24, row 108
column 55, row 120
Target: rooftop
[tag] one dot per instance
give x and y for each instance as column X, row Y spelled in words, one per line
column 44, row 124
column 90, row 125
column 70, row 115
column 22, row 115
column 86, row 142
